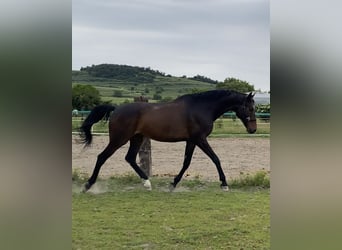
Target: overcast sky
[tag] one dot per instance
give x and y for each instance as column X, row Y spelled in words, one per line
column 214, row 38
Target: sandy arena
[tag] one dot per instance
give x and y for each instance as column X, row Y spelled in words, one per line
column 237, row 155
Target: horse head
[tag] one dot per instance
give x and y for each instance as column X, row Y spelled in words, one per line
column 246, row 113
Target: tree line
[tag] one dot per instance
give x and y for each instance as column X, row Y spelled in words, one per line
column 133, row 73
column 123, row 72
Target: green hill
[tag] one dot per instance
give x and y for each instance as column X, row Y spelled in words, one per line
column 121, row 83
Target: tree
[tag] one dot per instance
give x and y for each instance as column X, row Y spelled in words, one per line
column 85, row 97
column 157, row 96
column 235, row 84
column 203, row 79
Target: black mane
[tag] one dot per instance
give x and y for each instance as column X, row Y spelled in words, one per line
column 211, row 95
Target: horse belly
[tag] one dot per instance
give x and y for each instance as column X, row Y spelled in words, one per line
column 170, row 129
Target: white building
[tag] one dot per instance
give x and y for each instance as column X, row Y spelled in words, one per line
column 262, row 98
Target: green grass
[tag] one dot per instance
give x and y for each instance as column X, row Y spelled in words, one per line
column 228, row 126
column 197, row 215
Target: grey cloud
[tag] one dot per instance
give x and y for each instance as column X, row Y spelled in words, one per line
column 121, row 14
column 218, row 38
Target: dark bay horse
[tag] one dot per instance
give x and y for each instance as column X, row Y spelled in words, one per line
column 188, row 118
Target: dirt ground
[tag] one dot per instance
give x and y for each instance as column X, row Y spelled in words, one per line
column 237, row 155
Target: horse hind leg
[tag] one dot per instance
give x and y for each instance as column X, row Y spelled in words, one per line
column 135, row 143
column 101, row 159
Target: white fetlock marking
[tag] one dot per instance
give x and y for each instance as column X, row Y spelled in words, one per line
column 147, row 184
column 225, row 188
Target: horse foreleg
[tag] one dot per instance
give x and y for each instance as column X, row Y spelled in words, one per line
column 189, row 150
column 204, row 145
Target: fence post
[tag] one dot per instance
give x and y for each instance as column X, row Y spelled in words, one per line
column 145, row 149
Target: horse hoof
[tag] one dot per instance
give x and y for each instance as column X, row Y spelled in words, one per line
column 85, row 188
column 225, row 188
column 147, row 184
column 172, row 187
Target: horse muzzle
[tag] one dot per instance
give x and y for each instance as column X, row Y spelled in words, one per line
column 251, row 130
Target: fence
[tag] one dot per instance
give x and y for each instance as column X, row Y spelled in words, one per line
column 261, row 116
column 226, row 125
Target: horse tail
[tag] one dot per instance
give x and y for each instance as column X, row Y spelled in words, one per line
column 97, row 114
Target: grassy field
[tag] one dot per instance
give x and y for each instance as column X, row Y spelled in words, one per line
column 167, row 87
column 120, row 214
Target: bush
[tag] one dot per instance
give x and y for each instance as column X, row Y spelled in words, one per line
column 77, row 177
column 263, row 108
column 157, row 97
column 259, row 179
column 85, row 97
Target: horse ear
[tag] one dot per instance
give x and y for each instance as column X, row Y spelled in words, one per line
column 250, row 95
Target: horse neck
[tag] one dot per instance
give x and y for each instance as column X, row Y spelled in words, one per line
column 227, row 103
